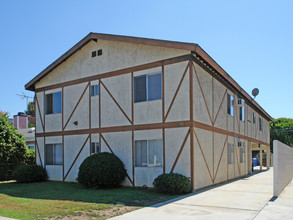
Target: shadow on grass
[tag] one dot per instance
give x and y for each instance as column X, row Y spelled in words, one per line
column 50, row 190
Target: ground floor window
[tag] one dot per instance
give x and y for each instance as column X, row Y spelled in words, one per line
column 230, row 153
column 242, row 155
column 148, row 153
column 95, row 147
column 53, row 154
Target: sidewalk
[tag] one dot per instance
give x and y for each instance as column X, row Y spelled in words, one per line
column 246, row 198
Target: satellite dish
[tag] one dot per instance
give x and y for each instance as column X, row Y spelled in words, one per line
column 255, row 92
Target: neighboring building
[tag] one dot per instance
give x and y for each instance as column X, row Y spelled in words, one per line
column 160, row 106
column 21, row 121
column 29, row 135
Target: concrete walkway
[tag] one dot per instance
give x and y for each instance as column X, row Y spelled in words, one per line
column 246, row 198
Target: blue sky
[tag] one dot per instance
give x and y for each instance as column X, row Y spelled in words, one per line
column 251, row 40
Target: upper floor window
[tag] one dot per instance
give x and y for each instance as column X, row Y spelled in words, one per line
column 260, row 123
column 253, row 117
column 230, row 104
column 148, row 153
column 53, row 103
column 94, row 90
column 53, row 154
column 95, row 147
column 147, row 87
column 242, row 113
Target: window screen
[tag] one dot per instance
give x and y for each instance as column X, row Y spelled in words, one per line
column 49, row 103
column 140, row 89
column 53, row 103
column 242, row 155
column 230, row 153
column 253, row 117
column 95, row 147
column 54, row 154
column 230, row 104
column 57, row 102
column 94, row 90
column 148, row 153
column 154, row 87
column 260, row 124
column 242, row 113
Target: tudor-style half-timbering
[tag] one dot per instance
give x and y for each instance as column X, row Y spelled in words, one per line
column 159, row 106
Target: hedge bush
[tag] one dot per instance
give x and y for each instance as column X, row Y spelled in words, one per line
column 100, row 170
column 29, row 173
column 173, row 183
column 30, row 157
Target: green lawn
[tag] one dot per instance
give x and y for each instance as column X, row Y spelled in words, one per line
column 57, row 200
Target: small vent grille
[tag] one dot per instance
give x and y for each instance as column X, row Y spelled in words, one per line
column 94, row 53
column 100, row 52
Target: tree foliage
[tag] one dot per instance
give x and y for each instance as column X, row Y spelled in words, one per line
column 12, row 147
column 31, row 109
column 282, row 130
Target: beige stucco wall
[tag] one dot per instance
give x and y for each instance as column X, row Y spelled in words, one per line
column 116, row 55
column 210, row 149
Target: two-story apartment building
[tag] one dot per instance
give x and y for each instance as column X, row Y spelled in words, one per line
column 160, row 106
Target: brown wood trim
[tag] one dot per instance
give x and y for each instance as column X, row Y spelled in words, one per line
column 202, row 153
column 115, row 154
column 100, row 115
column 30, row 142
column 38, row 149
column 237, row 118
column 220, row 158
column 163, row 115
column 121, row 109
column 119, row 72
column 238, row 163
column 175, row 124
column 220, row 106
column 176, row 92
column 204, row 99
column 132, row 148
column 63, row 146
column 75, row 107
column 180, row 151
column 132, row 100
column 191, row 127
column 76, row 157
column 40, row 114
column 44, row 97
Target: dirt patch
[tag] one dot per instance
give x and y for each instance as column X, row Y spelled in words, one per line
column 99, row 214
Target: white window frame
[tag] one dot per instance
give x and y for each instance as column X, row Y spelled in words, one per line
column 52, row 93
column 97, row 147
column 53, row 156
column 147, row 155
column 147, row 86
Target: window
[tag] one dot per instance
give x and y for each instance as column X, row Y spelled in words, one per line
column 253, row 117
column 53, row 103
column 94, row 90
column 260, row 123
column 148, row 153
column 242, row 112
column 53, row 154
column 230, row 104
column 31, row 147
column 147, row 87
column 230, row 153
column 242, row 155
column 95, row 147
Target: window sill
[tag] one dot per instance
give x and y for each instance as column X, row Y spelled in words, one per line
column 147, row 101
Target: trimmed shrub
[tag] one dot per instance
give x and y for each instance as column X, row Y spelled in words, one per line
column 173, row 183
column 100, row 170
column 29, row 173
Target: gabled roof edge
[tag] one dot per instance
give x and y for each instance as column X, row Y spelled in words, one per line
column 96, row 36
